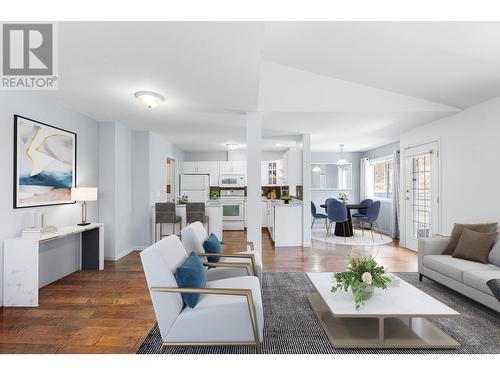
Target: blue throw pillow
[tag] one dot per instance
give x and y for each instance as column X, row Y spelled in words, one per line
column 212, row 246
column 191, row 274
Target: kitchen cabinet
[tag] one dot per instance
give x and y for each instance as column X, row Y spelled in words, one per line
column 233, row 167
column 203, row 167
column 284, row 223
column 292, row 166
column 196, row 167
column 214, row 170
column 270, row 220
column 263, row 212
column 263, row 173
column 274, row 173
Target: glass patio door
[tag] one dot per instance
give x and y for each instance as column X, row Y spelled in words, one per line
column 421, row 193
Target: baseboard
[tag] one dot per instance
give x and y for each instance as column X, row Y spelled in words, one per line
column 124, row 253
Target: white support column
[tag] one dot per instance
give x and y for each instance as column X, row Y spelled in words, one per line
column 254, row 139
column 306, row 186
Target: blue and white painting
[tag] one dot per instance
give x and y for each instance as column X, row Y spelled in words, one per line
column 45, row 160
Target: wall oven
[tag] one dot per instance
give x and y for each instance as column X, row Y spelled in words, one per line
column 231, row 180
column 233, row 209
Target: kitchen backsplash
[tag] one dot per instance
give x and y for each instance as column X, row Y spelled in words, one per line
column 272, row 192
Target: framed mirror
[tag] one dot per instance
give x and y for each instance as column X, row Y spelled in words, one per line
column 330, row 176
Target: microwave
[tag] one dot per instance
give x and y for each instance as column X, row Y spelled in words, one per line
column 232, row 180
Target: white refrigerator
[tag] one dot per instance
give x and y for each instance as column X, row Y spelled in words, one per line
column 196, row 187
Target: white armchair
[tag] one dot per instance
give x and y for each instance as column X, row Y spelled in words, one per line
column 229, row 311
column 193, row 237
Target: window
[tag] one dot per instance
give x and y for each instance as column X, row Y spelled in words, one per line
column 383, row 178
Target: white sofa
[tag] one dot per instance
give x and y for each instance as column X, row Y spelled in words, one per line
column 229, row 311
column 466, row 277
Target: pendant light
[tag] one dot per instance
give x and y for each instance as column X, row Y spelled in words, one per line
column 342, row 162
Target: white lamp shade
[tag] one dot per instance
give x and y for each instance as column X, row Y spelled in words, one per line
column 84, row 194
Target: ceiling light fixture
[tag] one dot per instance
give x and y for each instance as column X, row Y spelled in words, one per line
column 342, row 162
column 279, row 144
column 149, row 99
column 232, row 146
column 316, row 169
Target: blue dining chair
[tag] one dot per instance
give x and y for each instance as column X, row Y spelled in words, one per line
column 336, row 212
column 315, row 215
column 371, row 218
column 362, row 211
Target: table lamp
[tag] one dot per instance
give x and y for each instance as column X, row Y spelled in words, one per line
column 84, row 195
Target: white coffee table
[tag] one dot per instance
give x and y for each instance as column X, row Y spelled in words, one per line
column 391, row 318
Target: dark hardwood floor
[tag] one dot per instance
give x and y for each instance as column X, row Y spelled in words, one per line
column 110, row 311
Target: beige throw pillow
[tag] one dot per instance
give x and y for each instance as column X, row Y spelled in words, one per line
column 475, row 246
column 457, row 231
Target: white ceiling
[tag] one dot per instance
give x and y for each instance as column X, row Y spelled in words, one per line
column 358, row 83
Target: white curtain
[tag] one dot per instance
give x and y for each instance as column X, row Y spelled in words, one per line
column 362, row 178
column 395, row 196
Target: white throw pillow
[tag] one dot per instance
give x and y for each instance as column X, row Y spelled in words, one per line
column 494, row 257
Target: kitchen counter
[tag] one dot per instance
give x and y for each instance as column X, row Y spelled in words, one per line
column 211, row 203
column 281, row 203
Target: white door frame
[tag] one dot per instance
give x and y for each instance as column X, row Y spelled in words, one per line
column 405, row 152
column 176, row 175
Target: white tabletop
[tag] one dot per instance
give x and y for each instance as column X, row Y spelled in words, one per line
column 68, row 230
column 400, row 299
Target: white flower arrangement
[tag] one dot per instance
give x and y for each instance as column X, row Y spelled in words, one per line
column 344, row 197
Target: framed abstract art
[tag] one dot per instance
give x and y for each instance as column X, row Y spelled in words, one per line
column 44, row 164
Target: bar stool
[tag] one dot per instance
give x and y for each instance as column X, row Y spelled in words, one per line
column 196, row 212
column 165, row 214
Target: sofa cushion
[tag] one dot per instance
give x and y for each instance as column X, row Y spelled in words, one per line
column 191, row 274
column 478, row 279
column 475, row 246
column 457, row 232
column 494, row 257
column 454, row 267
column 212, row 246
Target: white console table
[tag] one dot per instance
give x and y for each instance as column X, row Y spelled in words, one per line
column 21, row 261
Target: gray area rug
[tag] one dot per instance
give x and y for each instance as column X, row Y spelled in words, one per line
column 292, row 328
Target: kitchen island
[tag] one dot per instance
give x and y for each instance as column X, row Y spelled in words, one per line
column 213, row 209
column 284, row 222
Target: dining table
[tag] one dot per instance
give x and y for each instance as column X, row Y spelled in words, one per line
column 339, row 228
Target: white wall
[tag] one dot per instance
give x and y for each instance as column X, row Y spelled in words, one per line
column 107, row 182
column 470, row 159
column 149, row 175
column 382, row 151
column 115, row 200
column 37, row 108
column 140, row 187
column 319, row 196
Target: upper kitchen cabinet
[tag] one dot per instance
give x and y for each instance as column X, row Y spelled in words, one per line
column 196, row 167
column 214, row 173
column 233, row 167
column 274, row 173
column 292, row 165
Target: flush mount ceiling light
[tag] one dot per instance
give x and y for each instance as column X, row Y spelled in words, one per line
column 279, row 144
column 149, row 99
column 316, row 169
column 232, row 146
column 342, row 162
